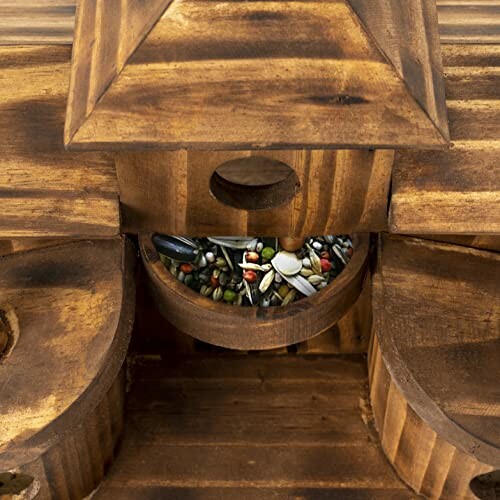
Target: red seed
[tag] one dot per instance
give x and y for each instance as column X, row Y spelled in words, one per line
column 325, row 255
column 250, row 276
column 186, row 268
column 349, row 252
column 214, row 282
column 252, row 257
column 326, row 265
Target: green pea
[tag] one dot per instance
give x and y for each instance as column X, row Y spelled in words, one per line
column 229, row 295
column 268, row 253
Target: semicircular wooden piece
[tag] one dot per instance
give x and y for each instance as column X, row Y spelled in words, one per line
column 437, row 324
column 254, row 328
column 68, row 310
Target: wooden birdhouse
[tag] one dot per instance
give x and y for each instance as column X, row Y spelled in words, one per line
column 319, row 125
column 191, row 74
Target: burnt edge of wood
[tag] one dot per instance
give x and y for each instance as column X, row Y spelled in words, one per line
column 419, row 401
column 261, row 328
column 417, row 453
column 74, row 416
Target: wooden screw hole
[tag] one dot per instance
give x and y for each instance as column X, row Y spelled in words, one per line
column 14, row 484
column 254, row 183
column 486, row 486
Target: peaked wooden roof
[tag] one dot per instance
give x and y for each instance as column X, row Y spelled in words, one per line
column 252, row 75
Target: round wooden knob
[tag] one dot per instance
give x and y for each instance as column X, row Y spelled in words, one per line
column 291, row 244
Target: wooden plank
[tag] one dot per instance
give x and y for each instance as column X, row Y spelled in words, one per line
column 52, row 21
column 456, row 191
column 46, row 192
column 245, row 79
column 251, row 493
column 437, row 307
column 469, row 21
column 340, row 192
column 211, row 446
column 37, row 22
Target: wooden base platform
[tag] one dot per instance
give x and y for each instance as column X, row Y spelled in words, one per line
column 250, row 426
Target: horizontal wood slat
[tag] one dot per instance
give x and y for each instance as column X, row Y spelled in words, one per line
column 251, row 427
column 456, row 191
column 52, row 21
column 46, row 192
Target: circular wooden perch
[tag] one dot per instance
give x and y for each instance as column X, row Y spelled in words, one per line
column 434, row 364
column 249, row 328
column 68, row 311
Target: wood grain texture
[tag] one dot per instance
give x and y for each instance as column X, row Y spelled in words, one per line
column 456, row 191
column 340, row 192
column 249, row 427
column 247, row 328
column 469, row 21
column 37, row 22
column 52, row 21
column 46, row 192
column 480, row 242
column 153, row 333
column 437, row 319
column 430, row 465
column 106, row 34
column 239, row 75
column 69, row 309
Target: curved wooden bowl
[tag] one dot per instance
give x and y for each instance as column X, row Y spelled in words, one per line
column 249, row 328
column 434, row 363
column 68, row 311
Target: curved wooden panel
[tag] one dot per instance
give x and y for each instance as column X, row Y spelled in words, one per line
column 248, row 328
column 427, row 463
column 68, row 311
column 434, row 384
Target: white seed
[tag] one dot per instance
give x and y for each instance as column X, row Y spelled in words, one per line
column 315, row 279
column 338, row 252
column 252, row 245
column 266, row 281
column 322, row 285
column 317, row 245
column 210, row 257
column 287, row 263
column 181, row 276
column 301, row 284
column 202, row 262
column 306, row 262
column 315, row 261
column 278, row 278
column 228, row 260
column 329, row 239
column 259, row 246
column 255, row 267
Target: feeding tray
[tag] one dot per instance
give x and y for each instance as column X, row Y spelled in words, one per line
column 256, row 75
column 434, row 365
column 249, row 328
column 65, row 313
